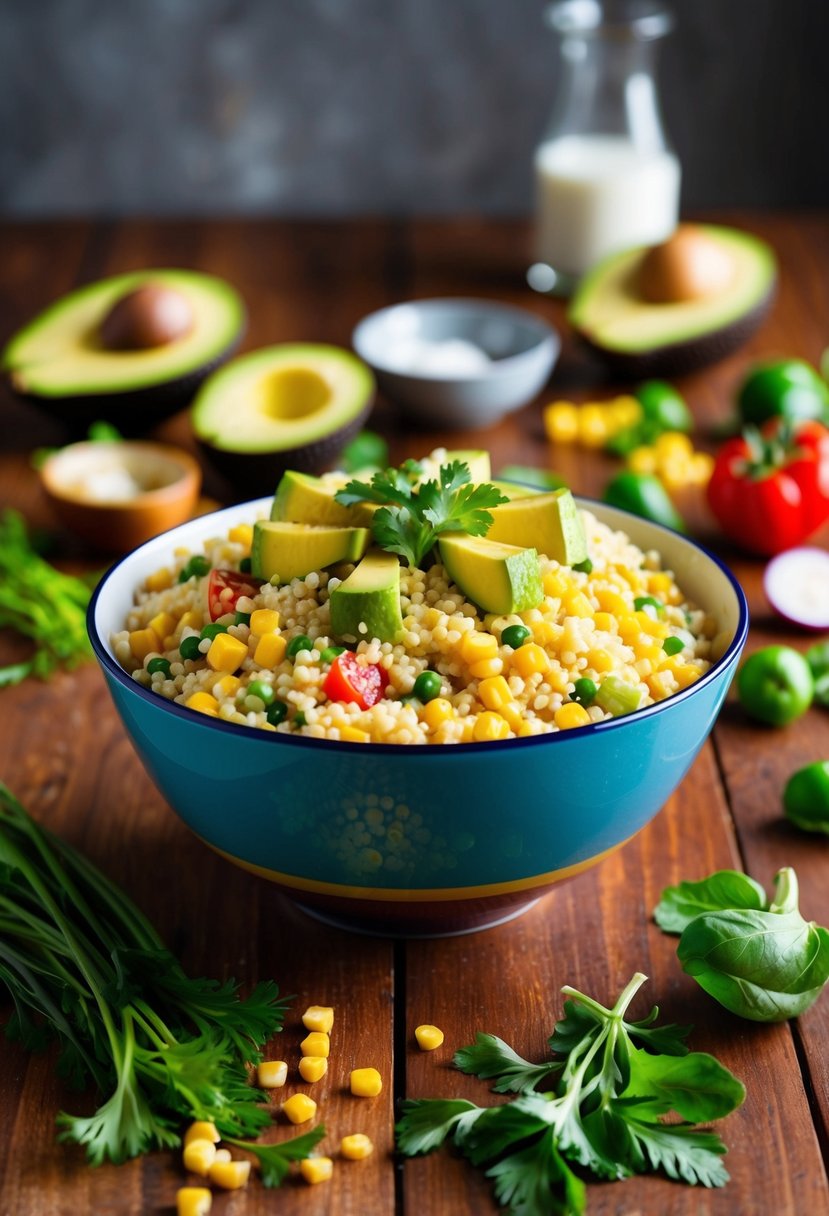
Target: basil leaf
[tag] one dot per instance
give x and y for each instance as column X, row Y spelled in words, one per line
column 724, row 889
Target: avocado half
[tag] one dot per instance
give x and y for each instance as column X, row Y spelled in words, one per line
column 292, row 406
column 639, row 338
column 60, row 363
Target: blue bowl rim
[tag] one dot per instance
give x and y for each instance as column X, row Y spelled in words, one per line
column 275, row 739
column 548, row 337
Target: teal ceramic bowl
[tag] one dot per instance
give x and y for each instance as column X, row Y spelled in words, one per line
column 420, row 840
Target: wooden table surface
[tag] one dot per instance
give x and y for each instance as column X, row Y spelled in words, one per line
column 66, row 756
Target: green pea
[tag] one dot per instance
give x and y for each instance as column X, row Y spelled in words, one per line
column 300, row 719
column 196, row 567
column 244, row 565
column 515, row 636
column 277, row 713
column 261, row 689
column 646, row 601
column 241, row 618
column 210, row 631
column 673, row 645
column 162, row 665
column 189, row 647
column 427, row 686
column 330, row 653
column 585, row 690
column 300, row 643
column 586, row 567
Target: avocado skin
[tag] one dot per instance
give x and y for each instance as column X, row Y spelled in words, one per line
column 133, row 412
column 680, row 357
column 250, row 474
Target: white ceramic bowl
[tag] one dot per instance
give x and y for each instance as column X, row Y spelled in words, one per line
column 414, row 351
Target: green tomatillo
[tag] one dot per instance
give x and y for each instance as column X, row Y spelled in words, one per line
column 784, row 388
column 806, row 797
column 775, row 685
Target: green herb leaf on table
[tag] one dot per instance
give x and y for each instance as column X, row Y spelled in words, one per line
column 413, row 514
column 762, row 961
column 275, row 1159
column 604, row 1113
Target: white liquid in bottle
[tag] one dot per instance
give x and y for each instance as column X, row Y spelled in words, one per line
column 597, row 194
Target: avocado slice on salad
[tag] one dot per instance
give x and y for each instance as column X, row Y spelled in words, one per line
column 284, row 551
column 130, row 349
column 551, row 523
column 498, row 578
column 367, row 603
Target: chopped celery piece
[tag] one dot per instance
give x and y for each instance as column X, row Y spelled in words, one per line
column 616, row 697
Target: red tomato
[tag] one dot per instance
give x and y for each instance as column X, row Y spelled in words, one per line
column 351, row 680
column 224, row 587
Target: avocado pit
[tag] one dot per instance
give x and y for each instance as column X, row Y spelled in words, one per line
column 688, row 266
column 152, row 315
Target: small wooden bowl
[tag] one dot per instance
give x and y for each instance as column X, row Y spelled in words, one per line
column 117, row 495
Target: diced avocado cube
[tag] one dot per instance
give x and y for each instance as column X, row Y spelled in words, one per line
column 369, row 597
column 289, row 550
column 551, row 523
column 498, row 578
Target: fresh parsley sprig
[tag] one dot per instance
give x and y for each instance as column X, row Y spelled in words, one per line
column 275, row 1159
column 614, row 1081
column 414, row 513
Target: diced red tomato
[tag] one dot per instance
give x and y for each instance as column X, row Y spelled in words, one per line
column 224, row 587
column 351, row 680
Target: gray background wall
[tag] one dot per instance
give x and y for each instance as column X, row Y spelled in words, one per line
column 334, row 107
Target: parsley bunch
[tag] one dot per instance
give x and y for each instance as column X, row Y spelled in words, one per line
column 84, row 967
column 414, row 512
column 613, row 1082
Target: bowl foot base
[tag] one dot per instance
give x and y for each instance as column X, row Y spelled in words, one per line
column 452, row 923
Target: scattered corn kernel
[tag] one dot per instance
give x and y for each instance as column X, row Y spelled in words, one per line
column 555, row 584
column 204, row 702
column 475, row 647
column 484, row 668
column 490, row 726
column 160, row 580
column 226, row 653
column 189, row 620
column 571, row 714
column 264, row 620
column 366, row 1082
column 142, row 642
column 428, row 1037
column 223, row 1154
column 162, row 624
column 227, row 686
column 193, row 1201
column 270, row 649
column 199, row 1155
column 317, row 1043
column 229, row 1175
column 436, row 712
column 316, row 1169
column 299, row 1108
column 353, row 734
column 600, row 660
column 241, row 534
column 313, row 1068
column 495, row 692
column 529, row 659
column 577, row 604
column 561, row 422
column 200, row 1130
column 318, row 1017
column 643, row 459
column 356, row 1147
column 594, row 429
column 271, row 1074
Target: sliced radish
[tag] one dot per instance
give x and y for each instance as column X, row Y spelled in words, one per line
column 796, row 584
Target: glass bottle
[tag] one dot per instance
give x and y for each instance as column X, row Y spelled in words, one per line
column 606, row 177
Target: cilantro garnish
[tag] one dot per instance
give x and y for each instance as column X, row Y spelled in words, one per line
column 414, row 513
column 613, row 1082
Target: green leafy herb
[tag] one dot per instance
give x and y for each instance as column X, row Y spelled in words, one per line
column 760, row 960
column 41, row 603
column 613, row 1081
column 85, row 967
column 415, row 513
column 366, row 450
column 275, row 1159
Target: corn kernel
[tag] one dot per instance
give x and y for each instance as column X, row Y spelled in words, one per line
column 570, row 715
column 673, row 443
column 600, row 660
column 561, row 422
column 160, row 579
column 702, row 465
column 555, row 584
column 353, row 734
column 199, row 1155
column 593, row 425
column 201, row 1130
column 529, row 659
column 475, row 646
column 316, row 1169
column 490, row 726
column 162, row 624
column 189, row 620
column 612, row 602
column 241, row 534
column 514, row 716
column 223, row 1154
column 227, row 686
column 642, row 459
column 356, row 1147
column 270, row 649
column 271, row 1074
column 605, row 622
column 142, row 642
column 366, row 1082
column 229, row 1175
column 317, row 1043
column 484, row 668
column 495, row 692
column 577, row 604
column 313, row 1068
column 686, row 674
column 656, row 629
column 204, row 703
column 299, row 1108
column 318, row 1017
column 436, row 712
column 226, row 653
column 264, row 620
column 193, row 1201
column 428, row 1037
column 625, row 411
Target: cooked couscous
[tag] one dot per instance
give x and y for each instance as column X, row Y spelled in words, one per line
column 605, row 639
